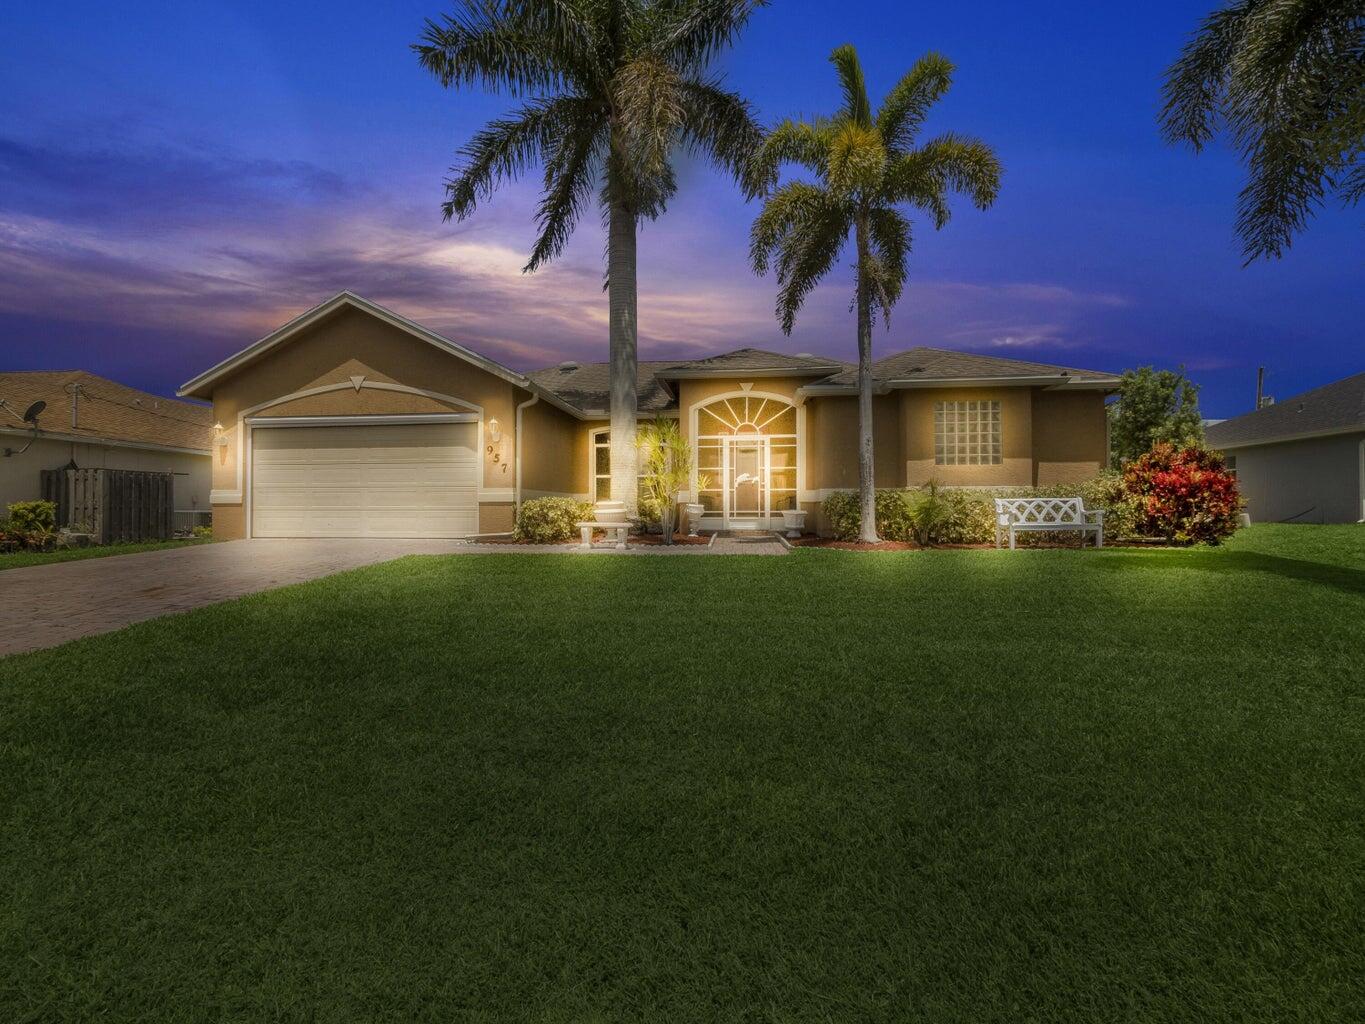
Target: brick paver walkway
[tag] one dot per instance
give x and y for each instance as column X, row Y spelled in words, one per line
column 46, row 605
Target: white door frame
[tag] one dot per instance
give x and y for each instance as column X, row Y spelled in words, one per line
column 729, row 517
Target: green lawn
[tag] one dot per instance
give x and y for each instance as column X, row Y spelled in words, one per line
column 934, row 786
column 19, row 559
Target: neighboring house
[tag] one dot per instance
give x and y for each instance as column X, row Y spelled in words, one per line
column 1301, row 460
column 95, row 423
column 353, row 421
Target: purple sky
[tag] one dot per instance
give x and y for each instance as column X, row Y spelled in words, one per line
column 176, row 180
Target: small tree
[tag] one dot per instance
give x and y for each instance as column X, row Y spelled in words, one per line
column 666, row 460
column 1153, row 406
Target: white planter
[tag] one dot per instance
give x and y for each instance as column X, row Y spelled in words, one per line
column 794, row 520
column 694, row 514
column 610, row 512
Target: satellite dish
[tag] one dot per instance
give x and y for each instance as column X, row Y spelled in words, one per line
column 35, row 410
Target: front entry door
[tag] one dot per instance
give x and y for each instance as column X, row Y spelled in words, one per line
column 746, row 477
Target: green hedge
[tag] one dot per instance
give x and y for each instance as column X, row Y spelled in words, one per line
column 550, row 520
column 917, row 515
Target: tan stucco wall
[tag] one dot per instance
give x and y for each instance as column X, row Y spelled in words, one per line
column 832, row 448
column 553, row 453
column 352, row 343
column 1070, row 440
column 229, row 522
column 1016, row 434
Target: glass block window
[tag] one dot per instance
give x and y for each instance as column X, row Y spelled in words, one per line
column 967, row 434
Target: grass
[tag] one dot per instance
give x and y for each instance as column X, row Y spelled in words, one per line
column 933, row 786
column 20, row 559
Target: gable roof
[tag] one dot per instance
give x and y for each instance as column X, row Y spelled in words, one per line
column 199, row 387
column 938, row 366
column 105, row 410
column 1336, row 408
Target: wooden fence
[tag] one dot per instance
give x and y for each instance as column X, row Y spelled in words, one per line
column 116, row 505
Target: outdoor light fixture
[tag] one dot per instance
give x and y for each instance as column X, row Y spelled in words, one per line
column 220, row 439
column 494, row 430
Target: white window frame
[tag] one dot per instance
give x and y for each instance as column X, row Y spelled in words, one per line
column 593, row 476
column 971, row 441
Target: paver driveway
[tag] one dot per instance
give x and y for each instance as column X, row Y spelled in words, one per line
column 46, row 605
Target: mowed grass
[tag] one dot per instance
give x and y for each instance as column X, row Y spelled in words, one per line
column 928, row 786
column 20, row 559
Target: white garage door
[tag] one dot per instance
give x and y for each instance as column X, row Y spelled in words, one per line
column 409, row 480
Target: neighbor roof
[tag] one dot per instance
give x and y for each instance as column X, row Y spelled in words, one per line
column 1337, row 408
column 939, row 365
column 105, row 410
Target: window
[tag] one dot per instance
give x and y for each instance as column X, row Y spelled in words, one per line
column 967, row 434
column 1231, row 461
column 600, row 464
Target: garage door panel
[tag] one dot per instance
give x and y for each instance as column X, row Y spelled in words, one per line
column 392, row 480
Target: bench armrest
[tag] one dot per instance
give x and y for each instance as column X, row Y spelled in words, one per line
column 1094, row 515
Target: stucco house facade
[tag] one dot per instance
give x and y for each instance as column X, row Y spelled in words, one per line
column 351, row 420
column 1301, row 460
column 95, row 423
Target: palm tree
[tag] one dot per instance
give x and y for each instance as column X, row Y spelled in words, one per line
column 1287, row 80
column 611, row 90
column 867, row 165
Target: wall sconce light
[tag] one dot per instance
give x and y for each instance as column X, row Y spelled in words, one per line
column 220, row 439
column 494, row 429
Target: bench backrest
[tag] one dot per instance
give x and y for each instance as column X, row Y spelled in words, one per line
column 1040, row 511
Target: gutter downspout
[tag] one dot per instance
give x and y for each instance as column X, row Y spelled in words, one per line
column 516, row 493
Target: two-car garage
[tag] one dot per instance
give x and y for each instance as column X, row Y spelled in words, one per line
column 398, row 477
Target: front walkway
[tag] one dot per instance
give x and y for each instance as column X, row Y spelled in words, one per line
column 46, row 605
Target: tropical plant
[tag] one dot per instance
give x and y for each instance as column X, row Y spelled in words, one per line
column 867, row 166
column 550, row 520
column 1286, row 79
column 1185, row 495
column 612, row 89
column 930, row 514
column 1153, row 406
column 666, row 470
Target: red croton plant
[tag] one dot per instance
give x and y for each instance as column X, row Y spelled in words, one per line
column 1183, row 494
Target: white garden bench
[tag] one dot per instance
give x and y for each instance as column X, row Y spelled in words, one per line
column 1059, row 514
column 616, row 533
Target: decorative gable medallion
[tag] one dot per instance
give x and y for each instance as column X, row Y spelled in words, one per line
column 746, row 387
column 358, row 382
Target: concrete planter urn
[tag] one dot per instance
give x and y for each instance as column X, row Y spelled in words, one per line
column 694, row 514
column 610, row 512
column 794, row 521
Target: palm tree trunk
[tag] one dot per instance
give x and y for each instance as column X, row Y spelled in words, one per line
column 867, row 488
column 623, row 333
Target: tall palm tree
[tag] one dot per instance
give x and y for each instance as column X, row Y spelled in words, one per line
column 611, row 90
column 867, row 165
column 1287, row 80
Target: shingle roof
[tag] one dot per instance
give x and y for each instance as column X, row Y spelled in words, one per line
column 948, row 364
column 586, row 386
column 755, row 359
column 106, row 410
column 1334, row 407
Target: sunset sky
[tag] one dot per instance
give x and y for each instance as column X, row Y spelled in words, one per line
column 178, row 179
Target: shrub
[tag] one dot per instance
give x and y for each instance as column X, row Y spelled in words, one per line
column 33, row 516
column 1184, row 494
column 844, row 513
column 550, row 520
column 203, row 533
column 938, row 515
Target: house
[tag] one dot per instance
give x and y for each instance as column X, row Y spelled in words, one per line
column 1301, row 460
column 351, row 420
column 96, row 423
